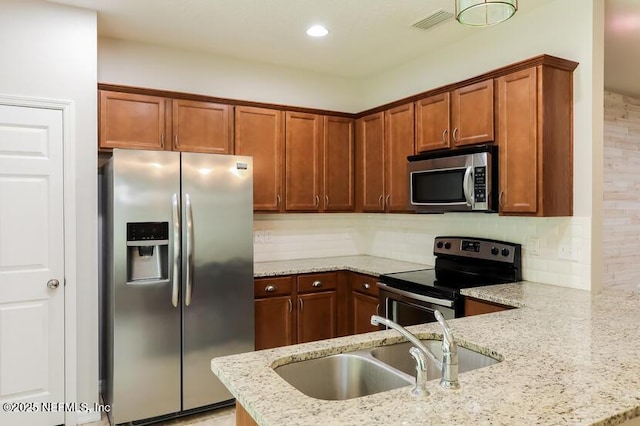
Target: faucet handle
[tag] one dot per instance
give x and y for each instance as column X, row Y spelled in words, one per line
column 446, row 331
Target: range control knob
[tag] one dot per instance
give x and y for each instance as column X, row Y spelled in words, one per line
column 495, row 251
column 505, row 252
column 439, row 245
column 447, row 245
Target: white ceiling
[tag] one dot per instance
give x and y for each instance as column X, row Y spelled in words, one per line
column 366, row 36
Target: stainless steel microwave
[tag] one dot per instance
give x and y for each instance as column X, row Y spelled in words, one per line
column 454, row 181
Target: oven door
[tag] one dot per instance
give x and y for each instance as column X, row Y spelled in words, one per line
column 407, row 308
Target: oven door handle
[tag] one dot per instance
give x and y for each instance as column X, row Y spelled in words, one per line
column 442, row 302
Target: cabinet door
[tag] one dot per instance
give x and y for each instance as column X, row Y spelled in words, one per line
column 259, row 133
column 303, row 146
column 202, row 127
column 432, row 123
column 363, row 307
column 131, row 121
column 478, row 307
column 398, row 146
column 338, row 164
column 472, row 114
column 274, row 325
column 371, row 162
column 317, row 313
column 518, row 142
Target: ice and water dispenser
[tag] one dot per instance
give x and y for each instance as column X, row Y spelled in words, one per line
column 147, row 252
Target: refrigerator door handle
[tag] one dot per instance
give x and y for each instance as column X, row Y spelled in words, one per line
column 175, row 279
column 189, row 262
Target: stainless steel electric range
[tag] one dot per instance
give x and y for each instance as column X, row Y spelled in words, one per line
column 411, row 297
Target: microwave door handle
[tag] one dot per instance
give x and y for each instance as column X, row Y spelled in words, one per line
column 468, row 179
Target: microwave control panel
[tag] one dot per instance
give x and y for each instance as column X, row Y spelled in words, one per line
column 480, row 184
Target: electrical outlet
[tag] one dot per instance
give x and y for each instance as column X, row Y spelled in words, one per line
column 533, row 246
column 268, row 236
column 568, row 252
column 258, row 236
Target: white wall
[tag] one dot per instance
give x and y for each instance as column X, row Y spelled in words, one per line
column 145, row 65
column 49, row 51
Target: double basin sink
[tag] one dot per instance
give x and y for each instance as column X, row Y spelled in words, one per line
column 368, row 371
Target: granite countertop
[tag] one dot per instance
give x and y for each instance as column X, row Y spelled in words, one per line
column 570, row 357
column 369, row 265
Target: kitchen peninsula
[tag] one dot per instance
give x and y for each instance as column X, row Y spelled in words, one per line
column 568, row 357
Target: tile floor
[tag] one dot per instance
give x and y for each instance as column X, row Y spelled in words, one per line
column 219, row 417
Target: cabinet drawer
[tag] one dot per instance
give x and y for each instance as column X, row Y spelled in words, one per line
column 277, row 286
column 317, row 282
column 365, row 284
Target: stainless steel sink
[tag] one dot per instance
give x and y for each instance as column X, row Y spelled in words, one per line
column 342, row 376
column 398, row 357
column 369, row 371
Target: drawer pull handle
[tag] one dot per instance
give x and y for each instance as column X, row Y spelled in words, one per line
column 290, row 306
column 316, row 284
column 270, row 288
column 366, row 286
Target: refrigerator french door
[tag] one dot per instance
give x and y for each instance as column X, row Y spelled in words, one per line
column 178, row 283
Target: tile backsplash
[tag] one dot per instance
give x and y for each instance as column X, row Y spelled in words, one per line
column 555, row 250
column 621, row 218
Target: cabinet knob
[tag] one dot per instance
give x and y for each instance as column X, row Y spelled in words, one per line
column 270, row 288
column 53, row 283
column 316, row 284
column 366, row 286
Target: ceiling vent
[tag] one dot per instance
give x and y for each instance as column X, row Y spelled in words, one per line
column 432, row 19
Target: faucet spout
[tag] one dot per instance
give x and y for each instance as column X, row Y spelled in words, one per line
column 449, row 363
column 375, row 320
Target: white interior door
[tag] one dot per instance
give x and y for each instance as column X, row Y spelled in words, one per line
column 31, row 259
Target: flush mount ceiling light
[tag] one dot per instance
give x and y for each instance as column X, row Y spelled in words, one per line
column 317, row 31
column 484, row 13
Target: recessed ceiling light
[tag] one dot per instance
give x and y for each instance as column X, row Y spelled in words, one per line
column 317, row 31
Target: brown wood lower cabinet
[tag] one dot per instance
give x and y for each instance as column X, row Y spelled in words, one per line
column 274, row 313
column 242, row 417
column 317, row 316
column 477, row 307
column 363, row 303
column 296, row 309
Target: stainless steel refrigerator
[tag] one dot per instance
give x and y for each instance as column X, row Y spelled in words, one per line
column 177, row 278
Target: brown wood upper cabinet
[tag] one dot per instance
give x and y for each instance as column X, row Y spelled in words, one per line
column 535, row 137
column 385, row 140
column 202, row 127
column 319, row 163
column 461, row 117
column 138, row 121
column 259, row 132
column 131, row 121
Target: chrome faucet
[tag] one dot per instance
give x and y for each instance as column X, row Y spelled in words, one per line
column 448, row 365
